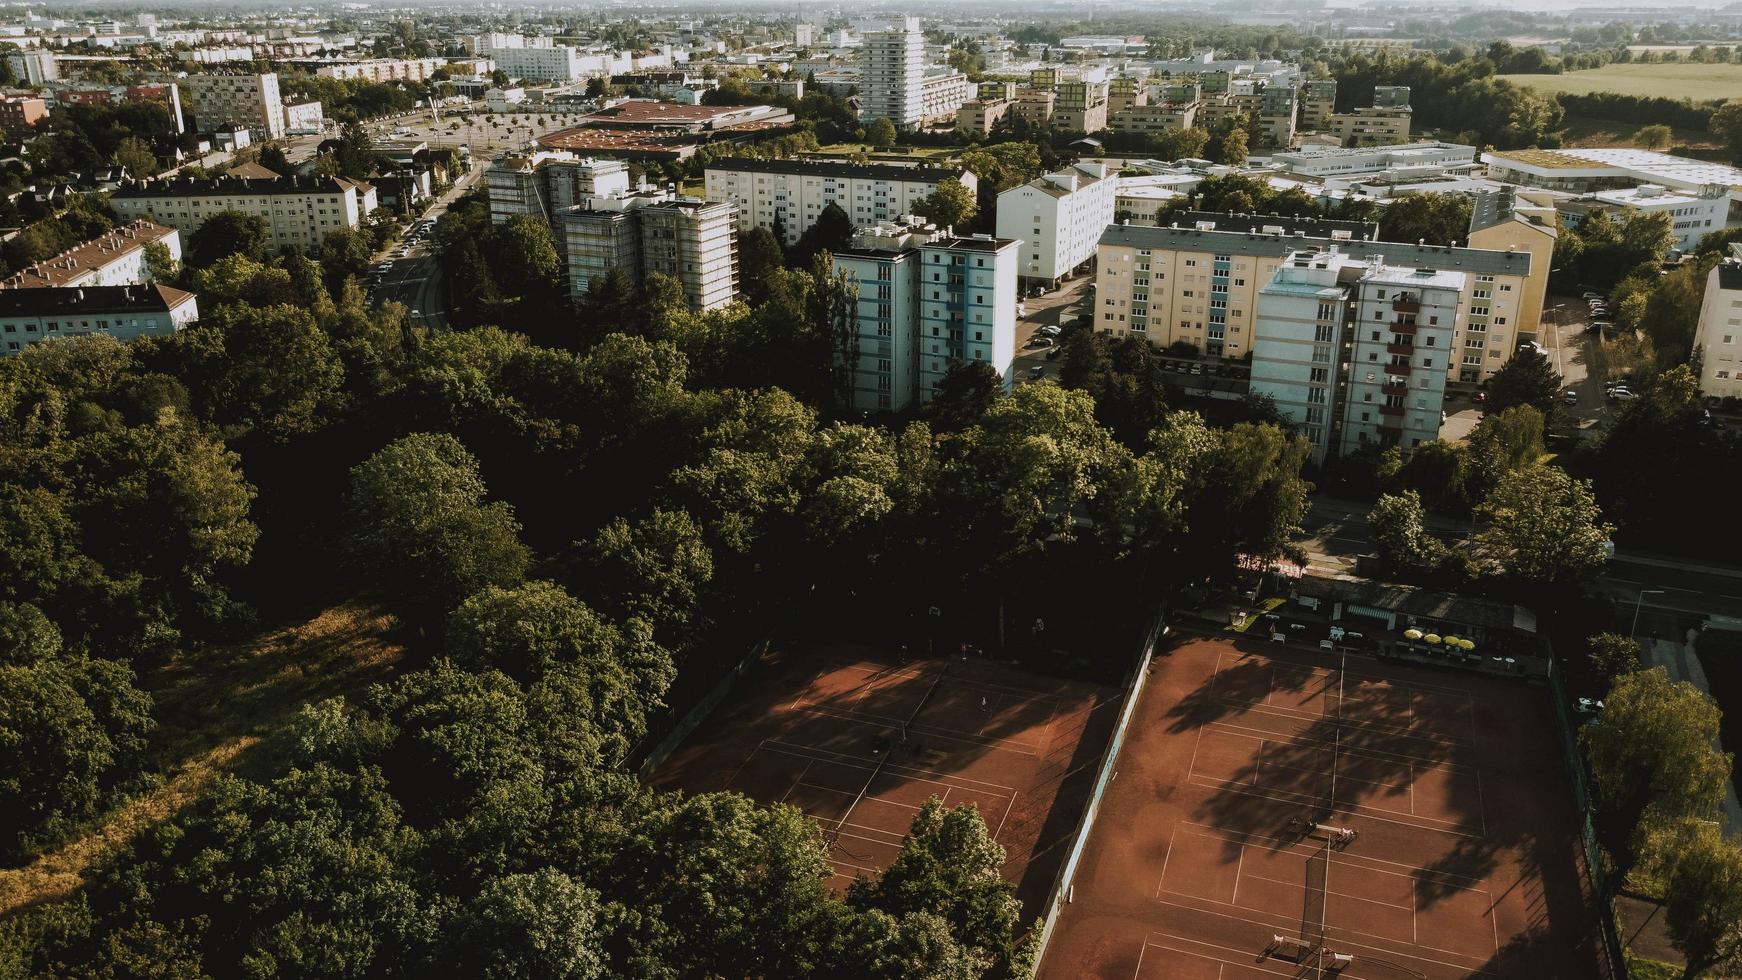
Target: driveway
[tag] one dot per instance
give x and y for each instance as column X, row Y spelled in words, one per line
column 1055, row 309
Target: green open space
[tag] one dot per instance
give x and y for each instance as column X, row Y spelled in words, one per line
column 1669, row 81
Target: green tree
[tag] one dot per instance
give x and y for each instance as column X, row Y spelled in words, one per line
column 1002, row 166
column 1544, row 527
column 270, row 370
column 1527, row 378
column 273, row 158
column 135, row 154
column 1656, row 748
column 880, row 133
column 421, row 531
column 1702, row 905
column 950, row 206
column 654, row 569
column 759, row 255
column 966, row 391
column 1613, row 655
column 228, row 233
column 160, row 265
column 1399, row 527
column 950, row 866
column 1726, row 125
column 1653, row 137
column 1437, row 219
column 541, row 926
column 831, row 232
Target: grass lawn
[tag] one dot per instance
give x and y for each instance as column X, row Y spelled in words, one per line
column 1670, row 81
column 221, row 710
column 1586, row 131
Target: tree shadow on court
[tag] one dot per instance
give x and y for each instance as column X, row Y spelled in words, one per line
column 1293, row 763
column 1547, row 951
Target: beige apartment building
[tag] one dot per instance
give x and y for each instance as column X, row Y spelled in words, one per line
column 299, row 211
column 977, row 117
column 1158, row 117
column 1197, row 282
column 240, row 100
column 384, row 69
column 696, row 243
column 1371, row 126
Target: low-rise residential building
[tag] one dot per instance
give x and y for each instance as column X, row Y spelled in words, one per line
column 19, row 112
column 1371, row 126
column 1692, row 214
column 32, row 315
column 384, row 69
column 1719, row 337
column 926, row 301
column 977, row 117
column 1353, row 350
column 787, row 196
column 114, row 258
column 1196, row 281
column 1157, row 117
column 1058, row 218
column 299, row 211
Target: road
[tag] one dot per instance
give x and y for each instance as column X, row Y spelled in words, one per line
column 416, row 280
column 1668, row 592
column 1052, row 309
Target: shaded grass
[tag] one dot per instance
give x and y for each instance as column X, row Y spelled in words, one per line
column 1720, row 653
column 220, row 710
column 1592, row 132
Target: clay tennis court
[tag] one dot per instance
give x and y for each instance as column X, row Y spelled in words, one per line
column 822, row 728
column 1220, row 851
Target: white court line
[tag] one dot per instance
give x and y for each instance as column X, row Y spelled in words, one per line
column 1239, row 867
column 926, row 775
column 1368, row 812
column 1481, row 803
column 1244, row 954
column 1166, row 858
column 1297, row 738
column 1291, row 922
column 1328, row 891
column 1011, row 745
column 1139, row 971
column 1361, row 861
column 796, row 781
column 1007, row 808
column 1276, row 711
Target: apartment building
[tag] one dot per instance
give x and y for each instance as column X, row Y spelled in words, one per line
column 1034, row 106
column 1353, row 351
column 893, row 80
column 384, row 69
column 545, row 181
column 600, row 236
column 19, row 112
column 1318, row 99
column 34, row 314
column 1371, row 126
column 534, row 59
column 1276, row 112
column 941, row 94
column 787, row 196
column 978, row 117
column 1124, row 92
column 304, row 118
column 237, row 100
column 1197, row 280
column 299, row 211
column 1158, row 117
column 1719, row 337
column 695, row 242
column 1081, row 106
column 1059, row 219
column 1506, row 221
column 1692, row 214
column 114, row 258
column 927, row 301
column 34, row 66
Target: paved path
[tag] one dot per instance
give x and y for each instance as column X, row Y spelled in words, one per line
column 1683, row 665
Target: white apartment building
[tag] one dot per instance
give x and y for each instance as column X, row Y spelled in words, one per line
column 925, row 302
column 385, row 69
column 787, row 196
column 35, row 314
column 299, row 211
column 1059, row 219
column 33, row 66
column 304, row 118
column 1720, row 331
column 548, row 181
column 1331, row 161
column 1353, row 351
column 114, row 258
column 943, row 93
column 1692, row 214
column 239, row 100
column 534, row 58
column 696, row 243
column 1196, row 281
column 892, row 86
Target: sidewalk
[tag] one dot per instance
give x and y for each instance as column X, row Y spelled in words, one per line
column 1683, row 665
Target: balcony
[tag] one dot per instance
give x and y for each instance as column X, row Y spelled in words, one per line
column 1407, row 328
column 1390, row 435
column 1406, row 303
column 1397, row 388
column 1391, row 410
column 1402, row 350
column 1401, row 368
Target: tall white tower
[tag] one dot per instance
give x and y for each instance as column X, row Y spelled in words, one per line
column 894, row 74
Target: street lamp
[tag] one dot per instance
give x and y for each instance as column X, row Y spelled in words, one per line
column 1634, row 629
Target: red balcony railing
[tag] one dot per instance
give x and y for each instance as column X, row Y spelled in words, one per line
column 1391, row 410
column 1404, row 349
column 1402, row 326
column 1399, row 368
column 1406, row 304
column 1394, row 388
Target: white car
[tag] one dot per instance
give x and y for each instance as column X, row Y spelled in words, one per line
column 1049, row 331
column 1622, row 394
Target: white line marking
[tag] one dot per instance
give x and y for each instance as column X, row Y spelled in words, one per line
column 1291, row 921
column 1166, row 858
column 1240, row 866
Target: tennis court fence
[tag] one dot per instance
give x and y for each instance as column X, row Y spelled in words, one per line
column 1614, row 956
column 1061, row 891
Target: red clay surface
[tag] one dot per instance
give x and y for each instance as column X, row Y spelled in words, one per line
column 1464, row 863
column 819, row 728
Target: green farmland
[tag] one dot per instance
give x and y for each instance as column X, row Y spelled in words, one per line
column 1670, row 81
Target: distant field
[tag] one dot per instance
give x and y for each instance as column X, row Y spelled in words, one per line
column 1584, row 131
column 1671, row 81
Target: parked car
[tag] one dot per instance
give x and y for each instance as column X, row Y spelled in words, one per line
column 1622, row 394
column 1053, row 355
column 1049, row 331
column 1571, row 397
column 1600, row 325
column 1593, row 295
column 1037, row 372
